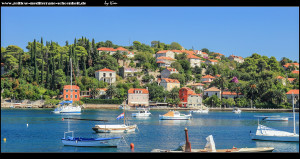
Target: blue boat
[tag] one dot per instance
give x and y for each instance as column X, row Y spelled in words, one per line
column 91, row 142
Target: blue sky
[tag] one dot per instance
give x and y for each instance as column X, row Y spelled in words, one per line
column 270, row 31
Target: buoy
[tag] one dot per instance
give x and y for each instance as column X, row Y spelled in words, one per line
column 27, row 125
column 132, row 147
column 62, row 119
column 4, row 139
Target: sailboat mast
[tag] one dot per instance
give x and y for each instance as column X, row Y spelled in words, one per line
column 294, row 114
column 124, row 112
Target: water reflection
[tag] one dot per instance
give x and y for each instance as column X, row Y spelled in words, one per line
column 175, row 122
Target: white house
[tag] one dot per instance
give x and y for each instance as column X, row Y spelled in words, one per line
column 106, row 75
column 165, row 53
column 194, row 60
column 167, row 72
column 212, row 91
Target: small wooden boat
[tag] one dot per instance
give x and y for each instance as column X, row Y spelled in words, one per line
column 175, row 115
column 141, row 113
column 88, row 142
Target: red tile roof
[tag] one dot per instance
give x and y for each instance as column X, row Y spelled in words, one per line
column 160, row 62
column 212, row 89
column 122, row 49
column 169, row 80
column 208, row 76
column 106, row 70
column 132, row 90
column 163, row 51
column 172, row 69
column 295, row 71
column 190, row 56
column 230, row 93
column 213, row 60
column 291, row 79
column 280, row 77
column 106, row 49
column 197, row 84
column 289, row 64
column 69, row 87
column 165, row 58
column 293, row 91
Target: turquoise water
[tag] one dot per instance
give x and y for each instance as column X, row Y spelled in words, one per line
column 45, row 130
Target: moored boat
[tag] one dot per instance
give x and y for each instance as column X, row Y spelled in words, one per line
column 91, row 142
column 236, row 111
column 141, row 113
column 175, row 115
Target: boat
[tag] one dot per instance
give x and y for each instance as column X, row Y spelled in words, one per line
column 269, row 134
column 117, row 128
column 67, row 106
column 175, row 115
column 236, row 111
column 274, row 118
column 203, row 111
column 141, row 113
column 89, row 142
column 124, row 107
column 210, row 147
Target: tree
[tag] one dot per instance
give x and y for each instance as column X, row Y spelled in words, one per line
column 117, row 56
column 111, row 91
column 220, row 83
column 175, row 46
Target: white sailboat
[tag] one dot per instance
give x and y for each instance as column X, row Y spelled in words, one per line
column 175, row 115
column 270, row 134
column 69, row 108
column 89, row 142
column 117, row 128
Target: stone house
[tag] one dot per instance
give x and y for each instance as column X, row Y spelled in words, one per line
column 287, row 65
column 164, row 61
column 138, row 97
column 290, row 94
column 189, row 98
column 212, row 91
column 165, row 53
column 194, row 60
column 210, row 61
column 167, row 72
column 127, row 72
column 281, row 80
column 169, row 83
column 106, row 75
column 238, row 59
column 198, row 86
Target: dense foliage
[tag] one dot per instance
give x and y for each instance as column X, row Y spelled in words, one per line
column 43, row 70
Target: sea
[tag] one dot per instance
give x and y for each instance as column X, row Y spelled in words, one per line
column 40, row 131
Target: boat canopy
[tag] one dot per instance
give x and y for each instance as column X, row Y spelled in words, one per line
column 63, row 102
column 170, row 113
column 264, row 130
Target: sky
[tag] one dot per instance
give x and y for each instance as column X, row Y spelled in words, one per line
column 241, row 31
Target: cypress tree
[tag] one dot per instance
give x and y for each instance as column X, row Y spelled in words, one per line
column 35, row 62
column 42, row 53
column 20, row 64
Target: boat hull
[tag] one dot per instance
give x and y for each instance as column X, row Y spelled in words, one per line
column 91, row 142
column 186, row 117
column 114, row 128
column 140, row 114
column 276, row 119
column 294, row 138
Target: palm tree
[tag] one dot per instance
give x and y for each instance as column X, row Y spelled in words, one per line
column 252, row 88
column 220, row 83
column 111, row 91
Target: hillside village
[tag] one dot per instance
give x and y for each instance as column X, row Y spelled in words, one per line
column 143, row 75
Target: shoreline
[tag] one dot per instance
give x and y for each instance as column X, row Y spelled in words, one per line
column 116, row 106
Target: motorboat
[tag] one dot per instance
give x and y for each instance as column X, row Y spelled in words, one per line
column 202, row 111
column 270, row 134
column 236, row 111
column 274, row 118
column 175, row 115
column 141, row 113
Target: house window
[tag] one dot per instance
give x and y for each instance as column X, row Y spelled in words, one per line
column 71, row 96
column 66, row 96
column 67, row 90
column 110, row 74
column 104, row 74
column 75, row 96
column 76, row 90
column 216, row 94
